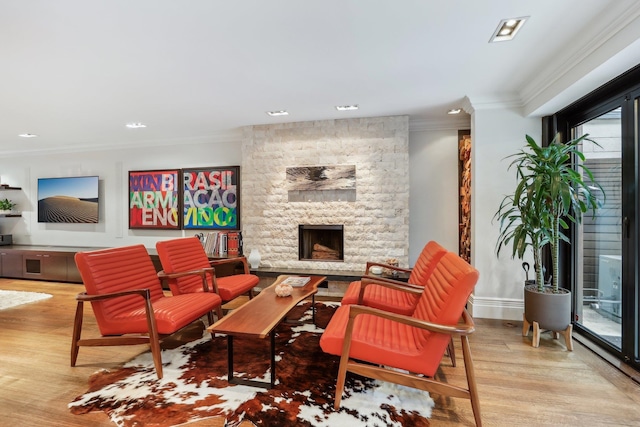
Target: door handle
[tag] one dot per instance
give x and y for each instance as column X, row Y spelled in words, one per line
column 625, row 227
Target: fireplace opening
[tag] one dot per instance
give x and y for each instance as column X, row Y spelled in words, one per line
column 320, row 242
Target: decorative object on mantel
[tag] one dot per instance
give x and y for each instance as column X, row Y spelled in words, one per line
column 342, row 177
column 195, row 387
column 388, row 271
column 377, row 270
column 254, row 258
column 6, row 206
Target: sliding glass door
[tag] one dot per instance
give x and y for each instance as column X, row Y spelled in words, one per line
column 598, row 250
column 603, row 258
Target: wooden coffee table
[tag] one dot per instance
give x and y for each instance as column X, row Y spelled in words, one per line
column 258, row 318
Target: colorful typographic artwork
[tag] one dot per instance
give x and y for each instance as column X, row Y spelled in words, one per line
column 154, row 199
column 211, row 198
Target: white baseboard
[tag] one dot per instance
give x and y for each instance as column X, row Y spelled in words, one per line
column 495, row 308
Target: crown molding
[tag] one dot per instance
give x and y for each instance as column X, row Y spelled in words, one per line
column 571, row 68
column 473, row 104
column 218, row 137
column 463, row 121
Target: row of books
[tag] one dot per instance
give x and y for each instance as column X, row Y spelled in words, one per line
column 222, row 243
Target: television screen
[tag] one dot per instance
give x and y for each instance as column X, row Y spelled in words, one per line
column 69, row 200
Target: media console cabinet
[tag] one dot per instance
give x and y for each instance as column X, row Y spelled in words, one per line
column 57, row 263
column 54, row 263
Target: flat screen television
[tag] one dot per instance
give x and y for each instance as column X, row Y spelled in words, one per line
column 68, row 200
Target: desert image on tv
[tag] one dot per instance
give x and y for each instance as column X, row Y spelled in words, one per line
column 62, row 200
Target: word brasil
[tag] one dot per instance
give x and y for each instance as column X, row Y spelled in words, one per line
column 210, row 199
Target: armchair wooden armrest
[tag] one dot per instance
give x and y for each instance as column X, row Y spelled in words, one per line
column 83, row 296
column 383, row 265
column 202, row 272
column 238, row 260
column 465, row 328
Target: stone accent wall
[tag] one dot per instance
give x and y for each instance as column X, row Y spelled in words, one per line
column 376, row 220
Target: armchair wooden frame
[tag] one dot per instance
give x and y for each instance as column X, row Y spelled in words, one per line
column 463, row 330
column 245, row 267
column 201, row 272
column 403, row 287
column 153, row 338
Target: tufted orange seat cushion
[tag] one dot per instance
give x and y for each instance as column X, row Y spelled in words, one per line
column 126, row 268
column 390, row 299
column 382, row 341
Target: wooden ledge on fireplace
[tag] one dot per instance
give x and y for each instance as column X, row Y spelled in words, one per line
column 331, row 275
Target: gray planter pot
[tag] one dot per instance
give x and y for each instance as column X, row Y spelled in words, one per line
column 551, row 311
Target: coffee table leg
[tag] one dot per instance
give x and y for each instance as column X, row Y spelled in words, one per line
column 230, row 358
column 313, row 307
column 273, row 358
column 252, row 383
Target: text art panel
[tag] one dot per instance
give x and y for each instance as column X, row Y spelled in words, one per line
column 211, row 198
column 154, row 199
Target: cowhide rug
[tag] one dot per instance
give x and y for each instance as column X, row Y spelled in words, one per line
column 195, row 385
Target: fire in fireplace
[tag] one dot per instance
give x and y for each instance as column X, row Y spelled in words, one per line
column 320, row 242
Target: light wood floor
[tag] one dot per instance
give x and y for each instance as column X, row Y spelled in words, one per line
column 518, row 385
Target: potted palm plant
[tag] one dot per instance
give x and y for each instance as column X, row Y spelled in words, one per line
column 550, row 193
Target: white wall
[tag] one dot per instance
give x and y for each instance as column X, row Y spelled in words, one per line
column 433, row 198
column 112, row 167
column 496, row 134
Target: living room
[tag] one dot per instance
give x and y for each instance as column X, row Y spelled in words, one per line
column 405, row 156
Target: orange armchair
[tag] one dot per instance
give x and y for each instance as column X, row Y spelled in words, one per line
column 368, row 292
column 178, row 256
column 398, row 297
column 129, row 304
column 369, row 341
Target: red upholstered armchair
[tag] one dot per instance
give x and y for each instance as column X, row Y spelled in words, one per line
column 368, row 292
column 178, row 256
column 369, row 341
column 396, row 296
column 129, row 304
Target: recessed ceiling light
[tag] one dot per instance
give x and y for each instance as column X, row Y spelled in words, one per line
column 347, row 107
column 278, row 113
column 454, row 111
column 136, row 125
column 507, row 29
column 28, row 135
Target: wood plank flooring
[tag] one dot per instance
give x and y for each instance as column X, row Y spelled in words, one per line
column 519, row 385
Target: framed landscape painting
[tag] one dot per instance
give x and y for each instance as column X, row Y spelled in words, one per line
column 154, row 199
column 211, row 198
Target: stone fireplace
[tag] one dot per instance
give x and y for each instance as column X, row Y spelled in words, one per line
column 320, row 242
column 374, row 214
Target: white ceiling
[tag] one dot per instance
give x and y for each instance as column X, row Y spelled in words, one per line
column 75, row 72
